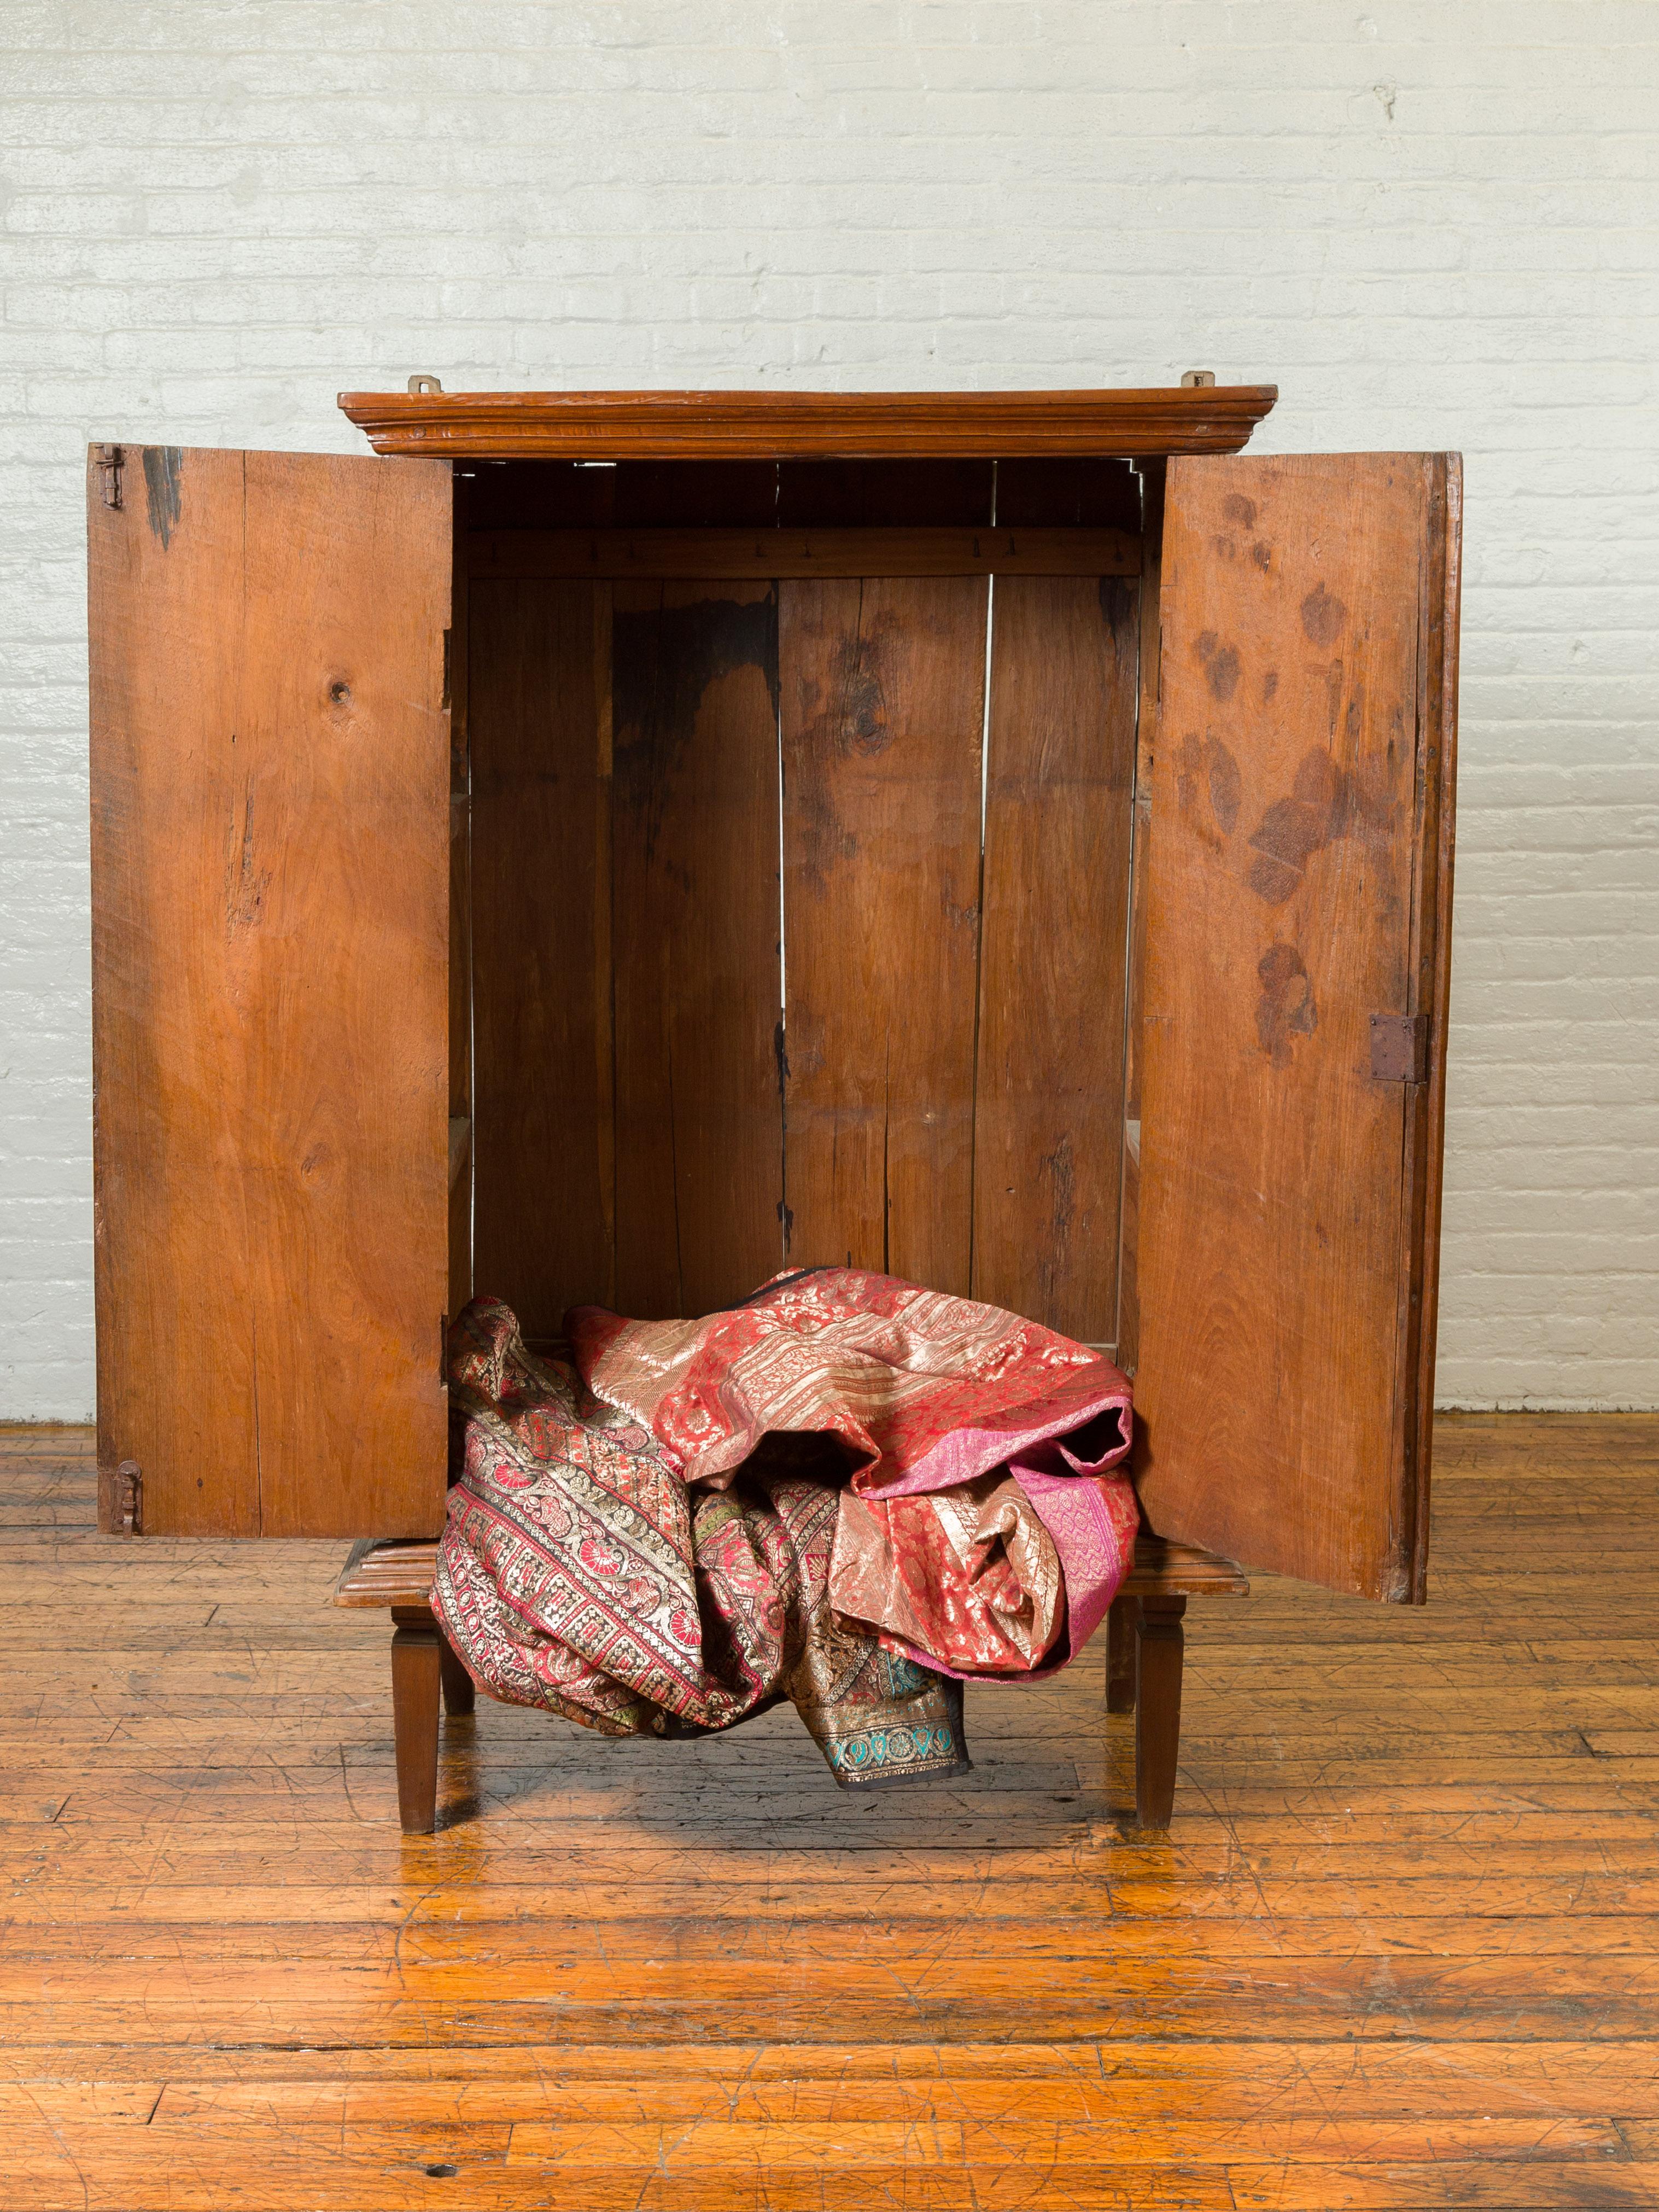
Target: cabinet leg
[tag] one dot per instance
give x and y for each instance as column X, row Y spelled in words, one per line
column 416, row 1671
column 1121, row 1623
column 1160, row 1646
column 458, row 1690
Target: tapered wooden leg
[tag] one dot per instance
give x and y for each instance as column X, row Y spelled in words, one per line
column 1160, row 1646
column 417, row 1672
column 459, row 1693
column 1120, row 1623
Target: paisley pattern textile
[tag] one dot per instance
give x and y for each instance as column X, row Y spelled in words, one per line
column 578, row 1572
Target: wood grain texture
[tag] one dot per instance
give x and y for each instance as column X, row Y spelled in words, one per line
column 271, row 922
column 698, row 992
column 1358, row 1971
column 540, row 743
column 764, row 553
column 1048, row 1103
column 622, row 426
column 460, row 931
column 1301, row 789
column 1151, row 476
column 882, row 720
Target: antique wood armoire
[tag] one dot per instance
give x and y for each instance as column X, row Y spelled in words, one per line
column 624, row 844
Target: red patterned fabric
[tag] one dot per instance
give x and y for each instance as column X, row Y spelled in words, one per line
column 981, row 1531
column 969, row 1575
column 923, row 1390
column 576, row 1572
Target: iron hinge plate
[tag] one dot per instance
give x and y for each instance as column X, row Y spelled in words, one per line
column 1399, row 1048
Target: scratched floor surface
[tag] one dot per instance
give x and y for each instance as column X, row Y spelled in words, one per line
column 1399, row 1948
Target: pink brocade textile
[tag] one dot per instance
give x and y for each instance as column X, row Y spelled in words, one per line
column 969, row 1575
column 923, row 1390
column 981, row 1531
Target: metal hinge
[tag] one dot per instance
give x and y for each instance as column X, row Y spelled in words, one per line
column 1399, row 1048
column 129, row 1497
column 110, row 460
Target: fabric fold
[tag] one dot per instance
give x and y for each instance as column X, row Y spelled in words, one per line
column 577, row 1572
column 918, row 1390
column 952, row 1426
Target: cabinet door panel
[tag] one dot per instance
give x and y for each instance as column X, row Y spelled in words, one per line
column 270, row 909
column 1299, row 884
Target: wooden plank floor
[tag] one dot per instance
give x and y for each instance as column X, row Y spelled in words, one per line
column 1399, row 1949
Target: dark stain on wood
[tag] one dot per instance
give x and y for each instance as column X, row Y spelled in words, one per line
column 1286, row 1008
column 1325, row 804
column 1323, row 617
column 1213, row 765
column 1119, row 601
column 164, row 470
column 1220, row 665
column 857, row 713
column 664, row 659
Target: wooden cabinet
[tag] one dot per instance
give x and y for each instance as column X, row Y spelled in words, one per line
column 613, row 847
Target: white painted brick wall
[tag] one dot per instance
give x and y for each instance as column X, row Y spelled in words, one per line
column 1432, row 223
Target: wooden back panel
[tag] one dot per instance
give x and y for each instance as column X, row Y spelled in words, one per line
column 906, row 1053
column 270, row 853
column 1299, row 884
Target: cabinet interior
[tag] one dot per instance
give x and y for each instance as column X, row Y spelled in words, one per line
column 792, row 887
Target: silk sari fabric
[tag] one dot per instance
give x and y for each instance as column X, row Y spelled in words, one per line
column 577, row 1572
column 981, row 1529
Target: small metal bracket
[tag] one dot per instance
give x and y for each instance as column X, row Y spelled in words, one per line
column 1399, row 1048
column 129, row 1497
column 1193, row 379
column 419, row 387
column 110, row 460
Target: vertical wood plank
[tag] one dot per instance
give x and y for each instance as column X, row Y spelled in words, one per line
column 460, row 938
column 541, row 994
column 1047, row 1127
column 882, row 720
column 269, row 800
column 1152, row 556
column 698, row 1119
column 1302, row 784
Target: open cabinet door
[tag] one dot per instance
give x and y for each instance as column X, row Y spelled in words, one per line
column 270, row 921
column 1298, row 908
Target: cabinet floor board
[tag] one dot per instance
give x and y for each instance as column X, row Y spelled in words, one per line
column 1397, row 1951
